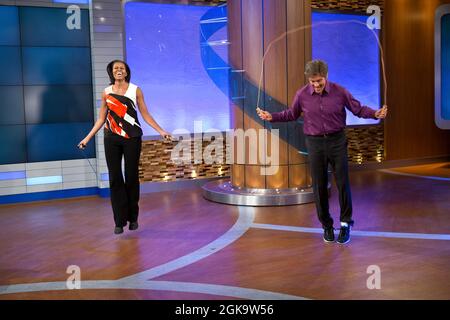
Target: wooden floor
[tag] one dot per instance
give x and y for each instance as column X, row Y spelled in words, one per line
column 190, row 248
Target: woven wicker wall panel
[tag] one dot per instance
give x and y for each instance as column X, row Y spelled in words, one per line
column 346, row 5
column 366, row 144
column 156, row 162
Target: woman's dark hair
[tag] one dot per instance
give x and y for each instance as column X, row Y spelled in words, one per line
column 109, row 69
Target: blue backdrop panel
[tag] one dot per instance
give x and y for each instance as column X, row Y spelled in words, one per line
column 445, row 67
column 353, row 56
column 13, row 144
column 48, row 27
column 56, row 65
column 10, row 65
column 47, row 93
column 51, row 142
column 9, row 26
column 12, row 105
column 51, row 104
column 164, row 50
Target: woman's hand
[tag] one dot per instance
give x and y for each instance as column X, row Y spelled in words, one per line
column 83, row 143
column 166, row 135
column 382, row 113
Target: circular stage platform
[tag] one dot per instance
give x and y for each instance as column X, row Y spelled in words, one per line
column 222, row 191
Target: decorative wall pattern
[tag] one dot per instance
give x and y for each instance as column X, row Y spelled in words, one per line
column 156, row 164
column 345, row 5
column 366, row 144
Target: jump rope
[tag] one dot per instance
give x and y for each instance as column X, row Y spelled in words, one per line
column 285, row 34
column 81, row 147
column 281, row 37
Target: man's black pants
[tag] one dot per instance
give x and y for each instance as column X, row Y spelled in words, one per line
column 324, row 150
column 124, row 193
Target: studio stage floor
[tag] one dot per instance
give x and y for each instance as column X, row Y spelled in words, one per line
column 190, row 248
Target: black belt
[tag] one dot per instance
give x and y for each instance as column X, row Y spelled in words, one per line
column 332, row 134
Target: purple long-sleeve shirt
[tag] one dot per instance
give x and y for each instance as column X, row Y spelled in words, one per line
column 323, row 113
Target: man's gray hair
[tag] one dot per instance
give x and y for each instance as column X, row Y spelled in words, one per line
column 316, row 68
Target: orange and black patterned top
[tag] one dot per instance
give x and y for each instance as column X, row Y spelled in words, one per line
column 122, row 118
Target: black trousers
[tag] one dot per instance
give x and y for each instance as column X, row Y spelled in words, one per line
column 124, row 193
column 323, row 151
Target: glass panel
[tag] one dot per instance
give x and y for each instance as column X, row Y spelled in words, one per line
column 10, row 65
column 51, row 142
column 177, row 55
column 13, row 144
column 9, row 26
column 56, row 65
column 12, row 101
column 48, row 27
column 47, row 104
column 351, row 50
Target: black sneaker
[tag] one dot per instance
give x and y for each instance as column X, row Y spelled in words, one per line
column 328, row 235
column 344, row 235
column 133, row 226
column 118, row 230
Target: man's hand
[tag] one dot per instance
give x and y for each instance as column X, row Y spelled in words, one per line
column 382, row 113
column 264, row 115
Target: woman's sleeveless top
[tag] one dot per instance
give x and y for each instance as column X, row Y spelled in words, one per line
column 122, row 118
